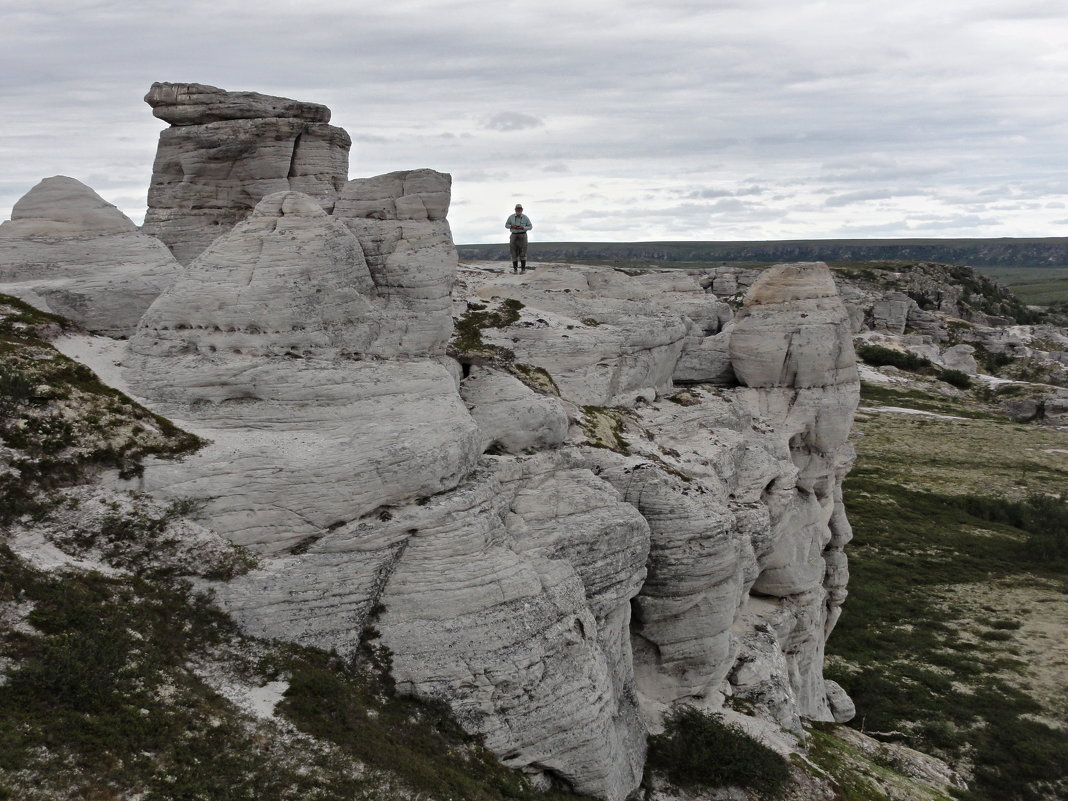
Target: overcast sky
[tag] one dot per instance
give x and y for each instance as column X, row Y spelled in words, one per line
column 611, row 121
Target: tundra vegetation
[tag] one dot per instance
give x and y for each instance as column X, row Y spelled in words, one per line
column 952, row 640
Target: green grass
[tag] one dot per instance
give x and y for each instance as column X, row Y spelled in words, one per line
column 698, row 750
column 99, row 701
column 945, row 511
column 860, row 776
column 352, row 704
column 62, row 420
column 466, row 344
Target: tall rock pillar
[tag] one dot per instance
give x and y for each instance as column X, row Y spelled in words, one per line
column 225, row 151
column 793, row 354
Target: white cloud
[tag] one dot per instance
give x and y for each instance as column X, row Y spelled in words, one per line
column 512, row 121
column 876, row 110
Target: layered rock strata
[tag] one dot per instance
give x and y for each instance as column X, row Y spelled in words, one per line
column 604, row 341
column 225, row 151
column 547, row 535
column 399, row 220
column 68, row 251
column 278, row 327
column 791, row 349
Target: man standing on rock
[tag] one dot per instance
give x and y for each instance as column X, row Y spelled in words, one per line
column 518, row 224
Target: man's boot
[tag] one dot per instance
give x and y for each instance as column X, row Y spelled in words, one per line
column 515, row 266
column 523, row 269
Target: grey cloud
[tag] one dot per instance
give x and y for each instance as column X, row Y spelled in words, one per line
column 881, row 168
column 679, row 94
column 861, row 196
column 951, row 223
column 512, row 121
column 708, row 194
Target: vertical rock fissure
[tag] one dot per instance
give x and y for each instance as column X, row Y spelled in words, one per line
column 293, row 158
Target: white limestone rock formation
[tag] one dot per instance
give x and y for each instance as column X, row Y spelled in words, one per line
column 791, row 349
column 306, row 342
column 275, row 328
column 68, row 251
column 704, row 358
column 399, row 220
column 960, row 357
column 514, row 608
column 513, row 417
column 225, row 151
column 604, row 341
column 507, row 598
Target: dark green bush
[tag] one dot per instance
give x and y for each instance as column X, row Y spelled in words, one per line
column 1043, row 517
column 878, row 356
column 699, row 750
column 956, row 378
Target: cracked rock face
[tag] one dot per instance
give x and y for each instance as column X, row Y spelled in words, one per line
column 516, row 612
column 68, row 251
column 399, row 220
column 791, row 348
column 270, row 329
column 561, row 594
column 604, row 341
column 225, row 151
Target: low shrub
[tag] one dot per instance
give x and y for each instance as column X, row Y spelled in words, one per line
column 956, row 378
column 878, row 356
column 699, row 750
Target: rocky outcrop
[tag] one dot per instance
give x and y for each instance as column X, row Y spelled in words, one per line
column 512, row 417
column 399, row 220
column 791, row 348
column 68, row 251
column 276, row 327
column 225, row 151
column 604, row 343
column 515, row 609
column 545, row 533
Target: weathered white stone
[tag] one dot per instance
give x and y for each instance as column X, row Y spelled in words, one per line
column 602, row 347
column 960, row 357
column 891, row 312
column 420, row 195
column 791, row 347
column 68, row 251
column 197, row 103
column 502, row 610
column 841, row 705
column 264, row 331
column 793, row 331
column 399, row 220
column 226, row 151
column 300, row 445
column 706, row 360
column 511, row 415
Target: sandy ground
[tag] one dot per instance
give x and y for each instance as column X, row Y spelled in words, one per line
column 902, row 410
column 1042, row 639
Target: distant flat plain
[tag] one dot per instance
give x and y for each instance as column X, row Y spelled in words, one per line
column 1036, row 269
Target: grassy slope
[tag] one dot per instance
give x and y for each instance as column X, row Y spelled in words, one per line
column 101, row 699
column 102, row 688
column 952, row 637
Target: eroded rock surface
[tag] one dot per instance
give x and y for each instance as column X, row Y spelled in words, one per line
column 225, row 151
column 548, row 534
column 276, row 328
column 791, row 347
column 68, row 251
column 399, row 220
